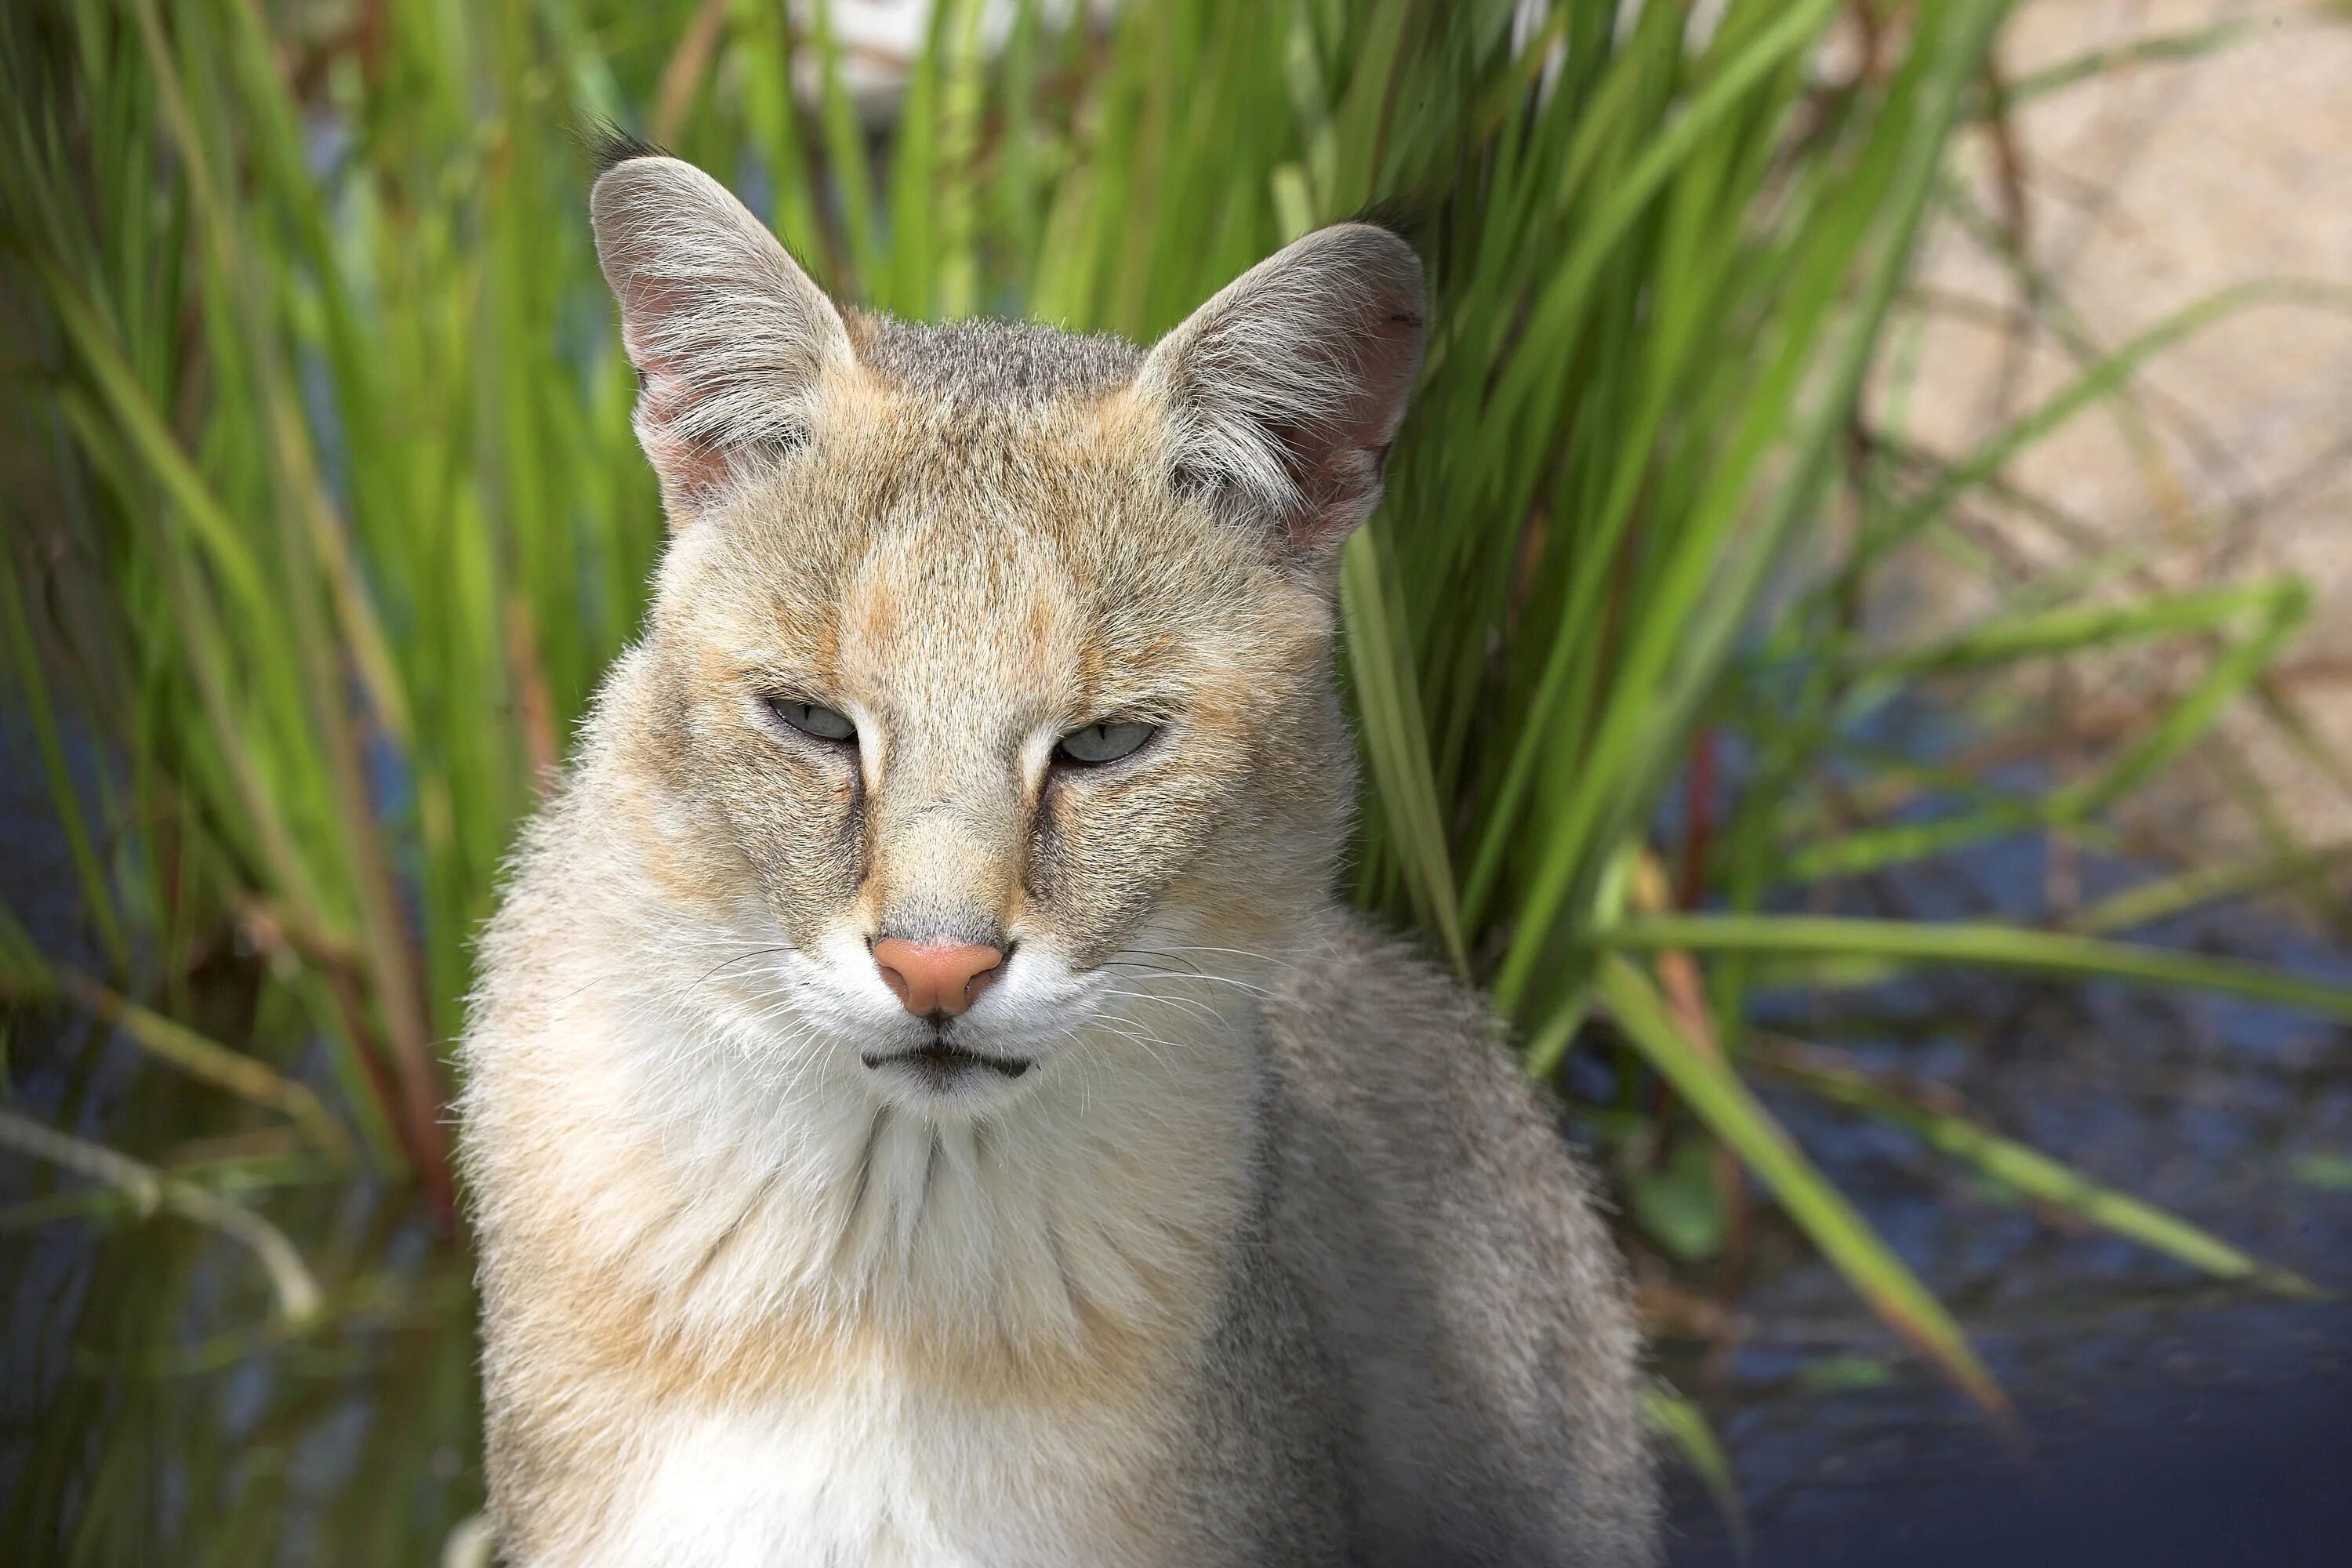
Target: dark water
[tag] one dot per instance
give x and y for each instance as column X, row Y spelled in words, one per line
column 2203, row 1469
column 2162, row 1419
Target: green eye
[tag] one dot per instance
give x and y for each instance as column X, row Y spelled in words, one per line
column 1099, row 743
column 811, row 720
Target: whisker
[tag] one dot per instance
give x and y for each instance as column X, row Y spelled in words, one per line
column 755, row 953
column 1200, row 1007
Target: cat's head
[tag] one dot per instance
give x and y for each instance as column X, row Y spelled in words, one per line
column 990, row 662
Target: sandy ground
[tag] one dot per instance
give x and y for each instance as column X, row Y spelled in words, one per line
column 2146, row 189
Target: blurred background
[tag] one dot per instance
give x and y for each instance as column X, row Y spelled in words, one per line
column 1854, row 657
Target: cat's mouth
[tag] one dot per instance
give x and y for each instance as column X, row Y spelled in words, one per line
column 939, row 1064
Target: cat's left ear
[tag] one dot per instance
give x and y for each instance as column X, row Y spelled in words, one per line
column 1287, row 389
column 729, row 336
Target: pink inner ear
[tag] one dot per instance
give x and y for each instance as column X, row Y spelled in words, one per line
column 1339, row 468
column 684, row 370
column 727, row 335
column 688, row 468
column 1289, row 387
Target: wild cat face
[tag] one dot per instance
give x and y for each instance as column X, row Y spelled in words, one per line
column 990, row 663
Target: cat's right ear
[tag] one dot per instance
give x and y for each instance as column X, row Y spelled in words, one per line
column 1288, row 387
column 729, row 336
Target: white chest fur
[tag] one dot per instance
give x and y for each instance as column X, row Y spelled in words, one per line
column 795, row 1317
column 936, row 1344
column 876, row 1477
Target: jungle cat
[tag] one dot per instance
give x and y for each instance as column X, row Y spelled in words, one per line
column 924, row 1103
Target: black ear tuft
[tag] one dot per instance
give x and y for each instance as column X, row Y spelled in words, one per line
column 1402, row 215
column 607, row 144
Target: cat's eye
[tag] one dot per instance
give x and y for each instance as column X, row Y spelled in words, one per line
column 811, row 720
column 1099, row 743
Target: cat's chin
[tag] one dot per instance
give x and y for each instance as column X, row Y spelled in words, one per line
column 942, row 1069
column 954, row 1070
column 945, row 1061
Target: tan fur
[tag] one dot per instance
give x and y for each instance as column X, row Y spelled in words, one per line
column 754, row 1291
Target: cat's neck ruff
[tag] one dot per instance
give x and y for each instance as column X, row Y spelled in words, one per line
column 773, row 1177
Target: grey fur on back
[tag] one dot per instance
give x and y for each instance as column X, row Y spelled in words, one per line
column 1447, row 1243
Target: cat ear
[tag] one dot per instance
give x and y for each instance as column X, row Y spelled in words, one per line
column 728, row 334
column 1287, row 389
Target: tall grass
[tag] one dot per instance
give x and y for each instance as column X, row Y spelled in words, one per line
column 324, row 515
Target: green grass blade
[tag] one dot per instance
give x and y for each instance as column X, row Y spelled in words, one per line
column 2104, row 377
column 205, row 1060
column 1684, row 1424
column 1717, row 1096
column 2055, row 953
column 1389, row 702
column 2159, row 898
column 2032, row 1173
column 298, row 1297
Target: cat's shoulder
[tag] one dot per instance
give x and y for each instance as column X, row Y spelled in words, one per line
column 1346, row 976
column 1366, row 1019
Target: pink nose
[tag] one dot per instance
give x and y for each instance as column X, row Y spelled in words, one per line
column 936, row 976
